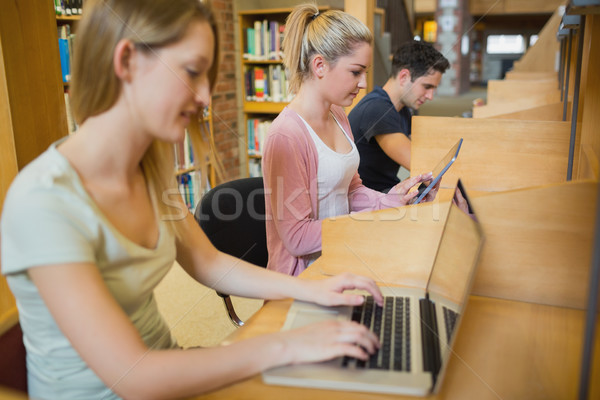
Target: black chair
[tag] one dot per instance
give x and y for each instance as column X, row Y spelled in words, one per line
column 233, row 217
column 13, row 368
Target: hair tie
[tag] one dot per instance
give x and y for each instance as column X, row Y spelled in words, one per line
column 315, row 16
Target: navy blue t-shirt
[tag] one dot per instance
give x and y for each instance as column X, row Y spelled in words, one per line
column 375, row 115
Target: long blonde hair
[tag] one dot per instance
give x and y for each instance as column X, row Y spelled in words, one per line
column 332, row 34
column 149, row 24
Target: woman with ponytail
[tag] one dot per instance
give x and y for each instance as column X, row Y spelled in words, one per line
column 310, row 161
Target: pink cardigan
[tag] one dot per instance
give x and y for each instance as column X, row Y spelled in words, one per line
column 289, row 165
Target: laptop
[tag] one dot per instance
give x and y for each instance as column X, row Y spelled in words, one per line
column 438, row 172
column 417, row 326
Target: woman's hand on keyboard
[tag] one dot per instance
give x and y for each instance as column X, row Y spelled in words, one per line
column 327, row 340
column 330, row 291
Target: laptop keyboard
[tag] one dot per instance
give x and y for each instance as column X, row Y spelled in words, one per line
column 391, row 323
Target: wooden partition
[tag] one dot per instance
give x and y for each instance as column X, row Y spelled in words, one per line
column 542, row 56
column 496, row 154
column 517, row 95
column 362, row 242
column 524, row 92
column 531, row 111
column 537, row 249
column 531, row 75
column 538, row 244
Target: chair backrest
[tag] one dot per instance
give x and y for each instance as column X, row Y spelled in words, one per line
column 13, row 369
column 233, row 217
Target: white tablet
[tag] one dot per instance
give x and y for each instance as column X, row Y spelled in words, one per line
column 438, row 172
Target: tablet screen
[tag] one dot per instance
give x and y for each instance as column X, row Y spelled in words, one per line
column 439, row 171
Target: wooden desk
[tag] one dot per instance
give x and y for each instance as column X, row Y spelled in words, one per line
column 505, row 349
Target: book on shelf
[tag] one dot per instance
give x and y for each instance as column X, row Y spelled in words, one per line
column 259, row 84
column 249, row 49
column 189, row 179
column 257, row 129
column 190, row 188
column 65, row 48
column 65, row 65
column 68, row 7
column 263, row 41
column 184, row 154
column 266, row 84
column 72, row 126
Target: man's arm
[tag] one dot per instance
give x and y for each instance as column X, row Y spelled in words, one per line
column 396, row 146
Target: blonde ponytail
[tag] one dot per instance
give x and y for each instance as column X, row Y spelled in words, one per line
column 332, row 34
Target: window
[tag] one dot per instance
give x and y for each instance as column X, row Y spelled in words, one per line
column 505, row 44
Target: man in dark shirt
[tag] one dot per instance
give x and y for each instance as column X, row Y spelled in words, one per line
column 381, row 121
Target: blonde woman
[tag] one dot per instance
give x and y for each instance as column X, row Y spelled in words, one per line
column 86, row 235
column 310, row 161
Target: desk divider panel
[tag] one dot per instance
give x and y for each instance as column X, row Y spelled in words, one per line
column 526, row 92
column 496, row 154
column 547, row 112
column 531, row 75
column 394, row 246
column 538, row 244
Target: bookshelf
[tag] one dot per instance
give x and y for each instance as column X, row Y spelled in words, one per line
column 262, row 75
column 194, row 178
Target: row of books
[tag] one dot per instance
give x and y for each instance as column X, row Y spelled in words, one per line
column 190, row 188
column 184, row 154
column 65, row 48
column 267, row 84
column 257, row 129
column 263, row 41
column 68, row 7
column 188, row 179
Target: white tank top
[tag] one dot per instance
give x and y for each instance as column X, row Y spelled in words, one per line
column 334, row 173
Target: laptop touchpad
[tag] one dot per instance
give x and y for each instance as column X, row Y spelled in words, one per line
column 306, row 317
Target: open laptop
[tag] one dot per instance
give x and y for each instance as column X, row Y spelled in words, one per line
column 424, row 322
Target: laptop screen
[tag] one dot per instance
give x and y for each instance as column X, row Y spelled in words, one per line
column 458, row 251
column 453, row 270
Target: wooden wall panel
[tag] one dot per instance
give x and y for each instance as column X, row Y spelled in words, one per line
column 496, row 154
